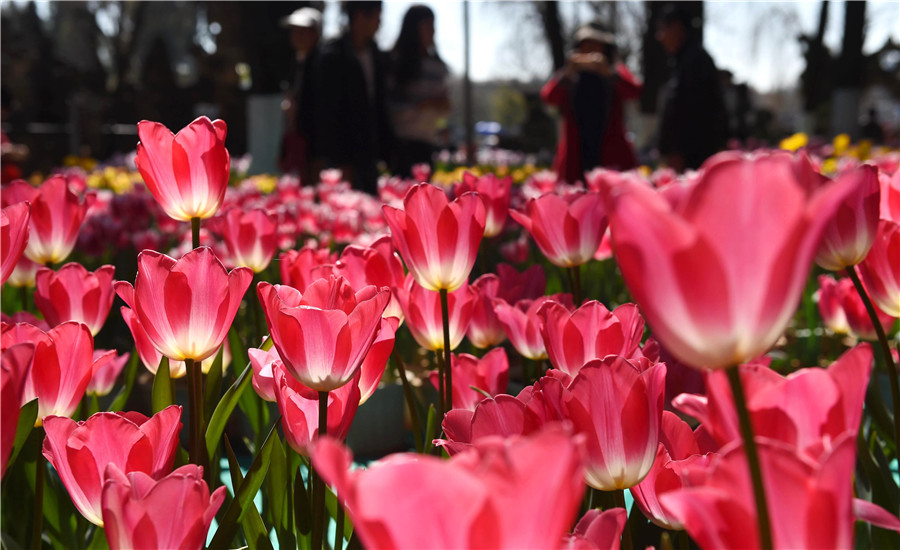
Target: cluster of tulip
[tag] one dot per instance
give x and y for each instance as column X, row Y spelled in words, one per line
column 716, row 262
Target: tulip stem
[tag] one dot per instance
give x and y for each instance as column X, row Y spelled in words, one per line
column 195, row 232
column 448, row 385
column 410, row 400
column 195, row 413
column 759, row 492
column 439, row 357
column 38, row 527
column 627, row 544
column 318, row 487
column 24, row 293
column 885, row 349
column 339, row 531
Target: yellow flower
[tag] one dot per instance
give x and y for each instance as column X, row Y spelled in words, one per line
column 794, row 142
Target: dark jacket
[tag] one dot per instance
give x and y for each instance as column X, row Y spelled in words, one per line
column 347, row 127
column 694, row 122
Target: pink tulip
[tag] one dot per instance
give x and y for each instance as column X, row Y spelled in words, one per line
column 850, row 232
column 185, row 306
column 879, row 271
column 264, row 363
column 438, row 239
column 15, row 364
column 858, row 317
column 14, row 222
column 299, row 407
column 56, row 216
column 296, row 266
column 890, row 197
column 523, row 325
column 323, row 334
column 106, row 371
column 514, row 286
column 590, row 332
column 81, row 451
column 810, row 501
column 617, row 405
column 502, row 416
column 719, row 275
column 149, row 355
column 567, row 229
column 377, row 264
column 23, row 273
column 138, row 510
column 678, row 448
column 495, row 193
column 187, row 173
column 250, row 237
column 62, row 368
column 830, row 298
column 805, row 410
column 597, row 530
column 487, row 497
column 75, row 294
column 422, row 309
column 490, row 374
column 375, row 362
column 485, row 329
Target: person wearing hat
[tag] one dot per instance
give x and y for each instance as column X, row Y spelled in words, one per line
column 589, row 92
column 305, row 27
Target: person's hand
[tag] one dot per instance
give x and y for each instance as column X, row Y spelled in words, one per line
column 589, row 62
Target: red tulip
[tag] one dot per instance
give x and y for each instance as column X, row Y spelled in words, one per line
column 598, row 530
column 617, row 404
column 523, row 325
column 810, row 501
column 485, row 329
column 107, row 367
column 62, row 368
column 890, row 197
column 14, row 222
column 850, row 232
column 81, row 451
column 149, row 355
column 296, row 266
column 422, row 309
column 75, row 294
column 495, row 193
column 299, row 407
column 719, row 275
column 250, row 238
column 806, row 410
column 487, row 497
column 437, row 239
column 377, row 264
column 590, row 332
column 185, row 306
column 879, row 272
column 323, row 334
column 514, row 286
column 56, row 216
column 490, row 374
column 187, row 173
column 15, row 364
column 567, row 229
column 138, row 511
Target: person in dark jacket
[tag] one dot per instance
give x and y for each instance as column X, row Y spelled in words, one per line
column 694, row 122
column 348, row 126
column 305, row 27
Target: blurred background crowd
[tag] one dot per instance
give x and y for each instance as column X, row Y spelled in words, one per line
column 372, row 87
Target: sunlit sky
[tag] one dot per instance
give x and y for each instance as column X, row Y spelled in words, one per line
column 771, row 60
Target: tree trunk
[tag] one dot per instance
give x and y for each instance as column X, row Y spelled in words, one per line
column 553, row 31
column 849, row 77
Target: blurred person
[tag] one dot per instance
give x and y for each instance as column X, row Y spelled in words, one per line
column 305, row 27
column 349, row 127
column 418, row 97
column 590, row 92
column 694, row 121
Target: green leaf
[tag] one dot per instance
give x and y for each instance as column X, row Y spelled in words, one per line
column 213, row 385
column 249, row 404
column 27, row 417
column 278, row 483
column 331, row 505
column 302, row 510
column 429, row 430
column 243, row 495
column 223, row 411
column 98, row 541
column 161, row 396
column 238, row 349
column 130, row 374
column 254, row 529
